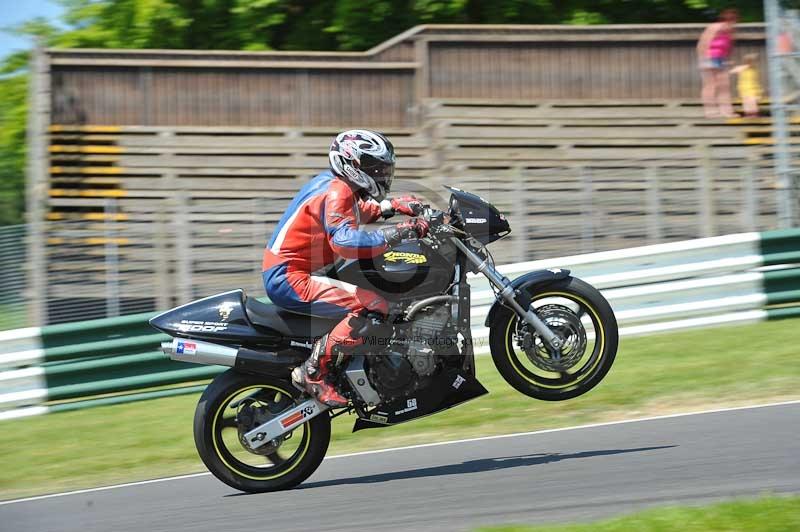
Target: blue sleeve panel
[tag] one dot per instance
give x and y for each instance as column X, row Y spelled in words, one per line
column 341, row 225
column 346, row 236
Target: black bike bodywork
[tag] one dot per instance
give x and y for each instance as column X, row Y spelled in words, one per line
column 418, row 363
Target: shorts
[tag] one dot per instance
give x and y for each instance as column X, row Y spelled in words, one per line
column 715, row 63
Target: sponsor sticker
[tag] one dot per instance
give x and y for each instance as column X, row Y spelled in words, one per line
column 225, row 310
column 475, row 220
column 300, row 344
column 298, row 416
column 201, row 326
column 186, row 348
column 411, row 405
column 458, row 382
column 405, row 257
column 291, row 420
column 378, row 419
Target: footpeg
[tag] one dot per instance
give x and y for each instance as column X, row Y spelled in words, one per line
column 298, row 379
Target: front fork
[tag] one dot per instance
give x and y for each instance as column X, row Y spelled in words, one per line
column 508, row 294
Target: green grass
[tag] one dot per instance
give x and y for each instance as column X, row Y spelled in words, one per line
column 652, row 375
column 769, row 514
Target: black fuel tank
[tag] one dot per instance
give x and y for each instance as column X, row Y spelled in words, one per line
column 410, row 270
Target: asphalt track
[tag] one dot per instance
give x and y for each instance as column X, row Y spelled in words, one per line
column 568, row 475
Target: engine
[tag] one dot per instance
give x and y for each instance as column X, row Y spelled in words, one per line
column 408, row 362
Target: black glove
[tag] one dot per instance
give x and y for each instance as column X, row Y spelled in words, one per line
column 411, row 228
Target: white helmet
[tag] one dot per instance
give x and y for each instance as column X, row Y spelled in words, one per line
column 365, row 159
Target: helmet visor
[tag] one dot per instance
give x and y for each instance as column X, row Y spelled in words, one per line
column 381, row 171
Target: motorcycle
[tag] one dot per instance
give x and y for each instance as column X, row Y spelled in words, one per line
column 552, row 337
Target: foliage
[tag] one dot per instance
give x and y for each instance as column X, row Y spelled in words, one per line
column 13, row 91
column 286, row 25
column 329, row 24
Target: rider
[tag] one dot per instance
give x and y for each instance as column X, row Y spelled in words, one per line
column 321, row 224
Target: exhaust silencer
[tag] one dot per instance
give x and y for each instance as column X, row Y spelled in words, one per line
column 243, row 359
column 199, row 352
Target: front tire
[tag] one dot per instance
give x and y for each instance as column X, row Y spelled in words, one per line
column 582, row 317
column 234, row 403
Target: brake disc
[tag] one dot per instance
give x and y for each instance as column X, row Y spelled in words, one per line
column 567, row 326
column 250, row 415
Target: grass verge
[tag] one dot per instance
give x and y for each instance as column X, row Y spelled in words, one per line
column 652, row 375
column 769, row 514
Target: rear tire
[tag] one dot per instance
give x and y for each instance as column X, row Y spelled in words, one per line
column 221, row 459
column 521, row 368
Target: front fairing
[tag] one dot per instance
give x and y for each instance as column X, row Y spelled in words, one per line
column 478, row 217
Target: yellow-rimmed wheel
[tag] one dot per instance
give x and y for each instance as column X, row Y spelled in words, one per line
column 585, row 323
column 235, row 403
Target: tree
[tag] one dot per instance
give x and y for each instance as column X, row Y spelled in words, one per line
column 13, row 110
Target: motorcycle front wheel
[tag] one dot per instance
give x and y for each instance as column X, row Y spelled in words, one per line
column 585, row 322
column 233, row 404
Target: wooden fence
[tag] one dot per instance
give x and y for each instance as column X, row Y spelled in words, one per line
column 385, row 86
column 193, row 206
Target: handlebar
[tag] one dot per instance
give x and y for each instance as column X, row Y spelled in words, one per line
column 438, row 221
column 432, row 216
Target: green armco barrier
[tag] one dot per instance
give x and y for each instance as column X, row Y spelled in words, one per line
column 780, row 284
column 67, row 334
column 111, row 347
column 122, row 399
column 783, row 313
column 117, row 360
column 784, row 298
column 111, row 356
column 115, row 367
column 786, row 257
column 147, row 380
column 102, row 365
column 781, row 246
column 128, row 398
column 780, row 241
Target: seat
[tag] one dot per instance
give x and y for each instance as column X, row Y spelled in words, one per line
column 285, row 322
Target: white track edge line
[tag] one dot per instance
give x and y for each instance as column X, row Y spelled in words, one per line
column 564, row 429
column 104, row 488
column 422, row 445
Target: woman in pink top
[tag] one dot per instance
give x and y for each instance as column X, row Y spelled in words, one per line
column 713, row 53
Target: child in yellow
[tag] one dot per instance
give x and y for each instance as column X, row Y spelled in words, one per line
column 749, row 85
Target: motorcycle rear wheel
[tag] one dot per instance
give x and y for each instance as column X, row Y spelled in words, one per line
column 569, row 307
column 234, row 403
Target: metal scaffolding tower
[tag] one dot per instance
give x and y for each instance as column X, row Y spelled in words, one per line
column 783, row 47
